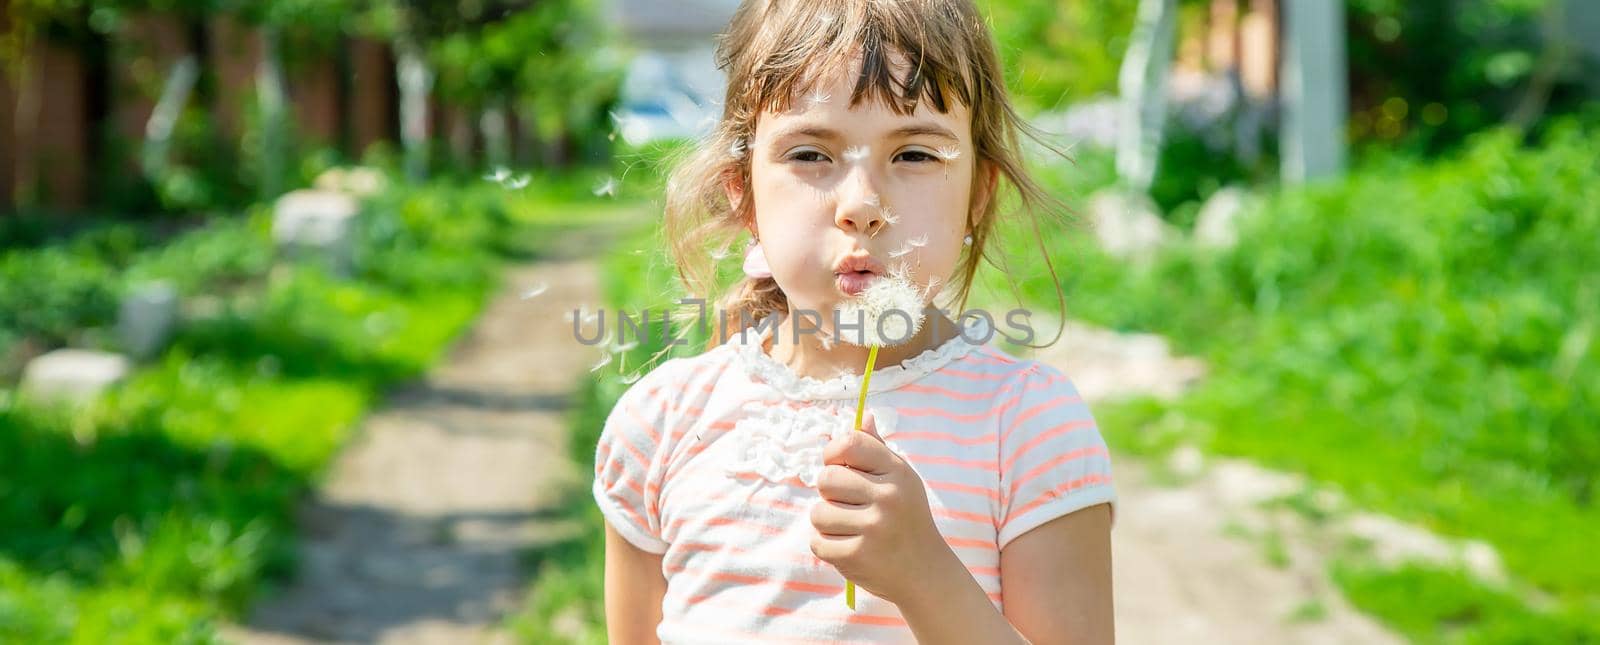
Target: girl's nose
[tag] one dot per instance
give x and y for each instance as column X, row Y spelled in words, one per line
column 861, row 211
column 860, row 217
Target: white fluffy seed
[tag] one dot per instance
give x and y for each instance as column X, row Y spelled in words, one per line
column 876, row 309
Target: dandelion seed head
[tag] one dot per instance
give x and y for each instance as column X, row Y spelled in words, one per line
column 950, row 153
column 890, row 310
column 889, row 216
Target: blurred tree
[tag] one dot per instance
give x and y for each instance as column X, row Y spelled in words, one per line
column 1059, row 52
column 1427, row 73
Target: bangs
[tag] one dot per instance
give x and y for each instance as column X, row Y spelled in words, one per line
column 899, row 55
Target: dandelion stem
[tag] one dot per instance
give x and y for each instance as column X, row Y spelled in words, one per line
column 861, row 406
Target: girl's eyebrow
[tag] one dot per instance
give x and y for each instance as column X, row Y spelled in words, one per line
column 928, row 129
column 915, row 129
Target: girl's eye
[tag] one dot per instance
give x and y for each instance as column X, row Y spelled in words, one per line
column 808, row 156
column 916, row 156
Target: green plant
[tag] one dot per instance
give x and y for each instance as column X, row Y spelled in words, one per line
column 1413, row 334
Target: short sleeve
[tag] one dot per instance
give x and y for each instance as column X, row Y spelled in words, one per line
column 629, row 461
column 1053, row 459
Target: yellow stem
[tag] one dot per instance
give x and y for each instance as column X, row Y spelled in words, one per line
column 861, row 406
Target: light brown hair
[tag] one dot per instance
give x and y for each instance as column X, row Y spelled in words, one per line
column 772, row 51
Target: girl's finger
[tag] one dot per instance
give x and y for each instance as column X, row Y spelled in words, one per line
column 861, row 451
column 832, row 518
column 832, row 548
column 843, row 484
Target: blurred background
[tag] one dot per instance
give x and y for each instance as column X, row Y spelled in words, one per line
column 271, row 270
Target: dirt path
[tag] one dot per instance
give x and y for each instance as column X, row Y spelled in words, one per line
column 1201, row 561
column 416, row 534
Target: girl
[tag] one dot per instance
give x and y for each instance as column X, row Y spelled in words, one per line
column 859, row 138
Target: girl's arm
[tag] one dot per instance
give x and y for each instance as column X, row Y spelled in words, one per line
column 1057, row 581
column 634, row 589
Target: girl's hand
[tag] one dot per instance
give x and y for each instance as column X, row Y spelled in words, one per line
column 873, row 522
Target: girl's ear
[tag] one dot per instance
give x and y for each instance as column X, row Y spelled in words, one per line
column 733, row 187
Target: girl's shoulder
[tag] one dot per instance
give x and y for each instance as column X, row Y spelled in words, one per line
column 680, row 377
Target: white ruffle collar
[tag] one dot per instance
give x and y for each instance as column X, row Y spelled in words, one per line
column 749, row 348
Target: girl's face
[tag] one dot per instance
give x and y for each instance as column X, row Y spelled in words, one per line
column 831, row 181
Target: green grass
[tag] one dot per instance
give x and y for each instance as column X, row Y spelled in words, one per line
column 1413, row 335
column 160, row 510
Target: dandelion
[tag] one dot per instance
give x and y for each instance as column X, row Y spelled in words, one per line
column 856, row 153
column 903, row 250
column 889, row 217
column 737, row 149
column 499, row 176
column 519, row 182
column 884, row 296
column 918, row 241
column 608, row 188
column 536, row 291
column 605, row 359
column 949, row 153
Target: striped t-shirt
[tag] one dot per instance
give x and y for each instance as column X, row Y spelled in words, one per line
column 712, row 460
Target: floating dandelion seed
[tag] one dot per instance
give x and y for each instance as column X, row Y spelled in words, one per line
column 873, row 200
column 826, row 341
column 818, row 97
column 582, row 318
column 721, row 253
column 889, row 216
column 608, row 188
column 605, row 359
column 856, row 153
column 499, row 176
column 535, row 291
column 918, row 241
column 902, row 251
column 519, row 182
column 624, row 347
column 628, row 379
column 737, row 149
column 950, row 153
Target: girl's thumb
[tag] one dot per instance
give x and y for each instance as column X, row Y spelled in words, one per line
column 869, row 425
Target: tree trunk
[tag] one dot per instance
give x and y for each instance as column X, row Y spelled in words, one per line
column 1315, row 90
column 274, row 132
column 1142, row 82
column 416, row 81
